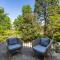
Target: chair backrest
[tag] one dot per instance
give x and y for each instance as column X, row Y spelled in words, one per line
column 44, row 41
column 11, row 41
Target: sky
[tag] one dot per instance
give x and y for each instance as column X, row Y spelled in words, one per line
column 14, row 7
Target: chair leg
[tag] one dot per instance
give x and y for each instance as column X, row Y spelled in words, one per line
column 20, row 51
column 8, row 55
column 51, row 55
column 33, row 53
column 45, row 57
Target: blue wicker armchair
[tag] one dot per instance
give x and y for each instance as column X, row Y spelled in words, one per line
column 41, row 45
column 14, row 45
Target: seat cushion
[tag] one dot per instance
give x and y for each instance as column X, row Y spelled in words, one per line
column 44, row 41
column 13, row 47
column 40, row 49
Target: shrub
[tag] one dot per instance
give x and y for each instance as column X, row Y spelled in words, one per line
column 27, row 38
column 57, row 36
column 2, row 32
column 57, row 48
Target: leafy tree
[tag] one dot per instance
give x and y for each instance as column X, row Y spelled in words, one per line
column 26, row 9
column 4, row 20
column 50, row 8
column 18, row 22
column 54, row 27
column 54, row 20
column 27, row 24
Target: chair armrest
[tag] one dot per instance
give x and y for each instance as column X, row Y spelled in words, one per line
column 35, row 42
column 20, row 41
column 49, row 46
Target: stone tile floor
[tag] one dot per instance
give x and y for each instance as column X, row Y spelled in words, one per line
column 26, row 54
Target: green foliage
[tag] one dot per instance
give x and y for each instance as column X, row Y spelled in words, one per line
column 1, row 32
column 18, row 23
column 4, row 34
column 27, row 27
column 4, row 25
column 4, row 20
column 57, row 47
column 51, row 10
column 38, row 7
column 54, row 27
column 26, row 9
column 3, row 38
column 56, row 36
column 27, row 24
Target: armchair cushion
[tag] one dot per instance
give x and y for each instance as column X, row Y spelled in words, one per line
column 44, row 41
column 40, row 49
column 13, row 47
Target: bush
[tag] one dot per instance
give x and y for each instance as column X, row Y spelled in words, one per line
column 57, row 48
column 57, row 36
column 3, row 38
column 2, row 32
column 31, row 37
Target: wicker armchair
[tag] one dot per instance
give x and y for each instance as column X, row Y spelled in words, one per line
column 14, row 45
column 41, row 45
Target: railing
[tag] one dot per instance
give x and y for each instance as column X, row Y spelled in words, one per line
column 29, row 45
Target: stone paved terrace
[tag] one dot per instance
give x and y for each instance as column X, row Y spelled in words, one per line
column 26, row 54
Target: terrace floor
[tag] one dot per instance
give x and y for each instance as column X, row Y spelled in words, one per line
column 26, row 54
